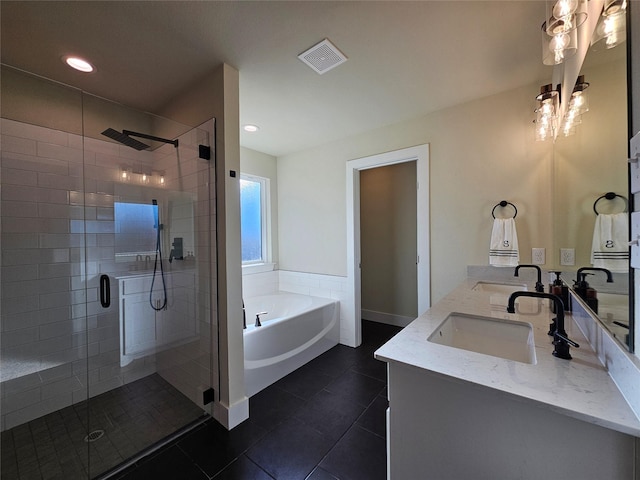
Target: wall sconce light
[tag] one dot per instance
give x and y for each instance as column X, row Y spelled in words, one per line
column 127, row 174
column 548, row 104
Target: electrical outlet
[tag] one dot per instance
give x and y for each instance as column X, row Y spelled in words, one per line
column 567, row 256
column 537, row 256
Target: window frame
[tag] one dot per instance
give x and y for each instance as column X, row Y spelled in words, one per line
column 265, row 215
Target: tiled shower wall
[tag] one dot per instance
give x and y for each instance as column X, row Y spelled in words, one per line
column 58, row 344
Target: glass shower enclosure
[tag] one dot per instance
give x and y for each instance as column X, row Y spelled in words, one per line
column 106, row 280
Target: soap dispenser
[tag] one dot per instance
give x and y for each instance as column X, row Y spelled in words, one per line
column 561, row 290
column 587, row 293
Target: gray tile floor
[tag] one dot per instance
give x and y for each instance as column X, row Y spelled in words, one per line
column 325, row 421
column 132, row 417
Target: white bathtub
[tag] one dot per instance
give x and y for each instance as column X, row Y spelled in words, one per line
column 296, row 329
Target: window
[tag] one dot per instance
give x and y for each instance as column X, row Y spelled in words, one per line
column 135, row 232
column 254, row 222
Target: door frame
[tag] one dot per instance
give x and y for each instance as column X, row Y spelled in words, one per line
column 352, row 330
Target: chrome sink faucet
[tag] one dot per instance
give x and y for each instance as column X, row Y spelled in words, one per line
column 539, row 285
column 561, row 341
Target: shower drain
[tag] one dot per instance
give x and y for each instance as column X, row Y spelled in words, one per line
column 93, row 436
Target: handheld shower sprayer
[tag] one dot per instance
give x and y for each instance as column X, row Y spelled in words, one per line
column 161, row 303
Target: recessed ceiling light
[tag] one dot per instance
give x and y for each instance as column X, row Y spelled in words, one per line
column 79, row 64
column 251, row 128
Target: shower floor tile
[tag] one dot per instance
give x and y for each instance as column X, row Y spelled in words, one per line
column 133, row 417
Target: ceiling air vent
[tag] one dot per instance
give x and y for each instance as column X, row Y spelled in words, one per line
column 323, row 57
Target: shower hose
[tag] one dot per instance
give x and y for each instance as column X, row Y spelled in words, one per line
column 160, row 305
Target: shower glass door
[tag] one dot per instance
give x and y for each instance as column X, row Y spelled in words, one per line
column 147, row 276
column 105, row 281
column 44, row 351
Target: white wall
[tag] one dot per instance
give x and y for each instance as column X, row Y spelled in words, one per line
column 481, row 152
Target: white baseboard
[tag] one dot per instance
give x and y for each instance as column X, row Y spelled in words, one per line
column 233, row 416
column 388, row 318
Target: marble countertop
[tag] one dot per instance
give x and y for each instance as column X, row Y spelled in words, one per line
column 580, row 388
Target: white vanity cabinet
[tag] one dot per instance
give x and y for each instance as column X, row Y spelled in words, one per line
column 455, row 414
column 143, row 330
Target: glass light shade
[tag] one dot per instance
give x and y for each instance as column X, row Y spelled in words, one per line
column 579, row 102
column 125, row 174
column 565, row 15
column 548, row 99
column 612, row 7
column 546, row 112
column 610, row 31
column 543, row 132
column 556, row 48
column 562, row 8
column 568, row 129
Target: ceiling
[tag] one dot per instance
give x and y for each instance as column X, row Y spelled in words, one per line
column 405, row 59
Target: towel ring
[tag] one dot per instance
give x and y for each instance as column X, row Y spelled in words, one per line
column 611, row 196
column 504, row 203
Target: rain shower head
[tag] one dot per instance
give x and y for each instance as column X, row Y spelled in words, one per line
column 125, row 138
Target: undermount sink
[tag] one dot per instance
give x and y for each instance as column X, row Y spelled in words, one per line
column 494, row 287
column 502, row 338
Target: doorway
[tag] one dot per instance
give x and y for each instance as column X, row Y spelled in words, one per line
column 388, row 244
column 352, row 331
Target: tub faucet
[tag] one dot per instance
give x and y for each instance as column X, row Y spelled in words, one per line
column 258, row 324
column 561, row 341
column 539, row 285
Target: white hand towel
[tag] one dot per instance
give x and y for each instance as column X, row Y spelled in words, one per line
column 610, row 242
column 503, row 250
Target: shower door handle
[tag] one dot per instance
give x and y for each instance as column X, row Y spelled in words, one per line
column 105, row 291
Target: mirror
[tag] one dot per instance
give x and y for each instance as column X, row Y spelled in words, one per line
column 588, row 164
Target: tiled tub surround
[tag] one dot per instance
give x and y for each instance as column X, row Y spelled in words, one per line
column 58, row 344
column 460, row 414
